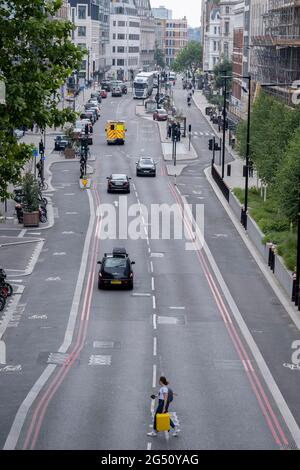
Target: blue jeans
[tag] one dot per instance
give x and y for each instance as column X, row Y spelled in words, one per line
column 159, row 409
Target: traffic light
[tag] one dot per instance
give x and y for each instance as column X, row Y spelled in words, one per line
column 211, row 144
column 41, row 147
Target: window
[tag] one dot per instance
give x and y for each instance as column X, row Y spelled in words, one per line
column 83, row 65
column 227, row 10
column 81, row 31
column 134, row 24
column 122, row 36
column 114, row 35
column 135, row 37
column 226, row 49
column 215, row 30
column 81, row 12
column 215, row 46
column 120, row 61
column 121, row 49
column 81, row 45
column 114, row 23
column 114, row 61
column 114, row 49
column 121, row 23
column 226, row 28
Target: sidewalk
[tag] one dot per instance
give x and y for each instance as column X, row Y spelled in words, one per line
column 8, row 219
column 236, row 180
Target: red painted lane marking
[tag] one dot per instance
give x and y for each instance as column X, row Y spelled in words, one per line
column 238, row 344
column 53, row 386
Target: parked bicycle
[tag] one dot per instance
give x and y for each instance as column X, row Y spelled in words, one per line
column 4, row 283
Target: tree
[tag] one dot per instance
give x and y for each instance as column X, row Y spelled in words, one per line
column 287, row 182
column 189, row 59
column 220, row 69
column 37, row 56
column 272, row 126
column 159, row 57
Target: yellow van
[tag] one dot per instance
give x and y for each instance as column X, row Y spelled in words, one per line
column 115, row 132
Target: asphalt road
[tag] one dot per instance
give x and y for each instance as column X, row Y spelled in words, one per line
column 178, row 321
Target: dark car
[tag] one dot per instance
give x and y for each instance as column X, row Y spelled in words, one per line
column 94, row 109
column 61, row 142
column 146, row 166
column 97, row 96
column 160, row 115
column 105, row 85
column 88, row 115
column 118, row 182
column 115, row 270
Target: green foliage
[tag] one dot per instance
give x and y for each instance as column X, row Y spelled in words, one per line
column 37, row 57
column 159, row 57
column 30, row 191
column 223, row 68
column 189, row 58
column 272, row 127
column 273, row 223
column 287, row 183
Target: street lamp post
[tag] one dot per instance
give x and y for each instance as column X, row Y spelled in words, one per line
column 224, row 125
column 245, row 208
column 157, row 93
column 297, row 285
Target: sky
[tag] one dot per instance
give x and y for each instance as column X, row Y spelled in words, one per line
column 189, row 8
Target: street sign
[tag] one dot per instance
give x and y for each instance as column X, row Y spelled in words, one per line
column 35, row 152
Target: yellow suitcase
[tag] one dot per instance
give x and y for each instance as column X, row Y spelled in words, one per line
column 163, row 422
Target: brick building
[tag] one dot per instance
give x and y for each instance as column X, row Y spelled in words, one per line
column 176, row 38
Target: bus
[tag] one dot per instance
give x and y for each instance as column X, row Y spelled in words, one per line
column 143, row 85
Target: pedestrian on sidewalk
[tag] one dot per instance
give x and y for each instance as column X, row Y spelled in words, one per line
column 165, row 396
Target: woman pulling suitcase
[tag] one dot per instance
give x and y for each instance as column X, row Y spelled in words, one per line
column 165, row 396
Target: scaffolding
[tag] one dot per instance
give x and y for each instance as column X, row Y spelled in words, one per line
column 276, row 54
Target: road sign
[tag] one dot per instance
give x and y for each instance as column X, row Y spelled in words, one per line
column 35, row 152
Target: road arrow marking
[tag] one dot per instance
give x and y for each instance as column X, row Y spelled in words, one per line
column 53, row 279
